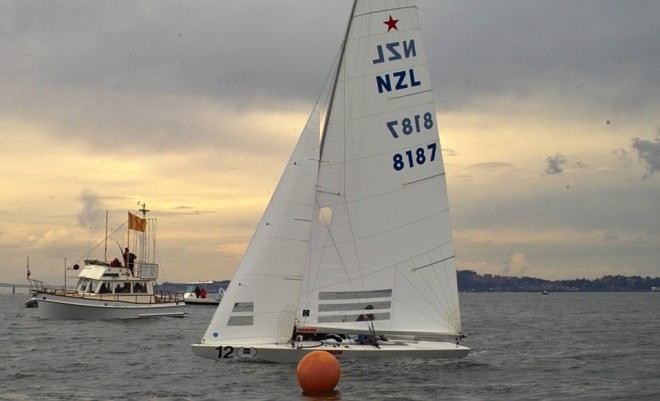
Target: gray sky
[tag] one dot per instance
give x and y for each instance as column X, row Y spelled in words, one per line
column 549, row 116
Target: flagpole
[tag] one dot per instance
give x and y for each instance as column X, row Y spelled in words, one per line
column 128, row 239
column 143, row 245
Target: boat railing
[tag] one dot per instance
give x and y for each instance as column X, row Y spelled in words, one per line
column 133, row 298
column 55, row 291
column 139, row 298
column 167, row 297
column 146, row 270
column 36, row 285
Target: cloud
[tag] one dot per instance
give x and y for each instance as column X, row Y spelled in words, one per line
column 91, row 214
column 555, row 164
column 649, row 152
column 516, row 264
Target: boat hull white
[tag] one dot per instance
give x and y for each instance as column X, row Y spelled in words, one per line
column 287, row 353
column 193, row 300
column 31, row 302
column 55, row 307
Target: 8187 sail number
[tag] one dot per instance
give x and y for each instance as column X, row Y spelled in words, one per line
column 411, row 158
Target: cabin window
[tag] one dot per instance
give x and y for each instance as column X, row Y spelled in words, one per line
column 122, row 289
column 92, row 286
column 140, row 287
column 85, row 286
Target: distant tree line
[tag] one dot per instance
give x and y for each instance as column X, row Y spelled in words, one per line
column 471, row 281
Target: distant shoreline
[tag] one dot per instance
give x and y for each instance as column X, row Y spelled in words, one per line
column 471, row 281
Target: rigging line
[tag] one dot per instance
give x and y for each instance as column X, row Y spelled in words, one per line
column 336, row 79
column 313, row 282
column 372, row 330
column 329, row 74
column 447, row 275
column 451, row 315
column 438, row 313
column 89, row 251
column 335, row 245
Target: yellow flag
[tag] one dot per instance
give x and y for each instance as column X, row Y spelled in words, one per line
column 136, row 223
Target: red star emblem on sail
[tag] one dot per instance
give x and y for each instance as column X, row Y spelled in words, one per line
column 391, row 24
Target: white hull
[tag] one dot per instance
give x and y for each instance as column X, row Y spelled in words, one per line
column 191, row 299
column 287, row 353
column 56, row 307
column 31, row 302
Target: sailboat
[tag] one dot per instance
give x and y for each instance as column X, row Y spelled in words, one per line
column 354, row 253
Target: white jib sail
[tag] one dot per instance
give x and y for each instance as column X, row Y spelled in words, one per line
column 381, row 236
column 260, row 303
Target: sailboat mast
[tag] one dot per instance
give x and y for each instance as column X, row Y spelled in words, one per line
column 334, row 84
column 105, row 251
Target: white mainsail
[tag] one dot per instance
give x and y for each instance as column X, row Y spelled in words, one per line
column 359, row 224
column 382, row 237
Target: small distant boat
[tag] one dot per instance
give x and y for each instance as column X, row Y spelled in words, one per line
column 110, row 290
column 203, row 293
column 544, row 292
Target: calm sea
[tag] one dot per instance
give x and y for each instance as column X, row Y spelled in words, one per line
column 581, row 346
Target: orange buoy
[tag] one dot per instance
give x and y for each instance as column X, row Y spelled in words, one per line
column 318, row 372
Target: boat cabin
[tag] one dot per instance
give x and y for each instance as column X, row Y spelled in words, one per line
column 98, row 278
